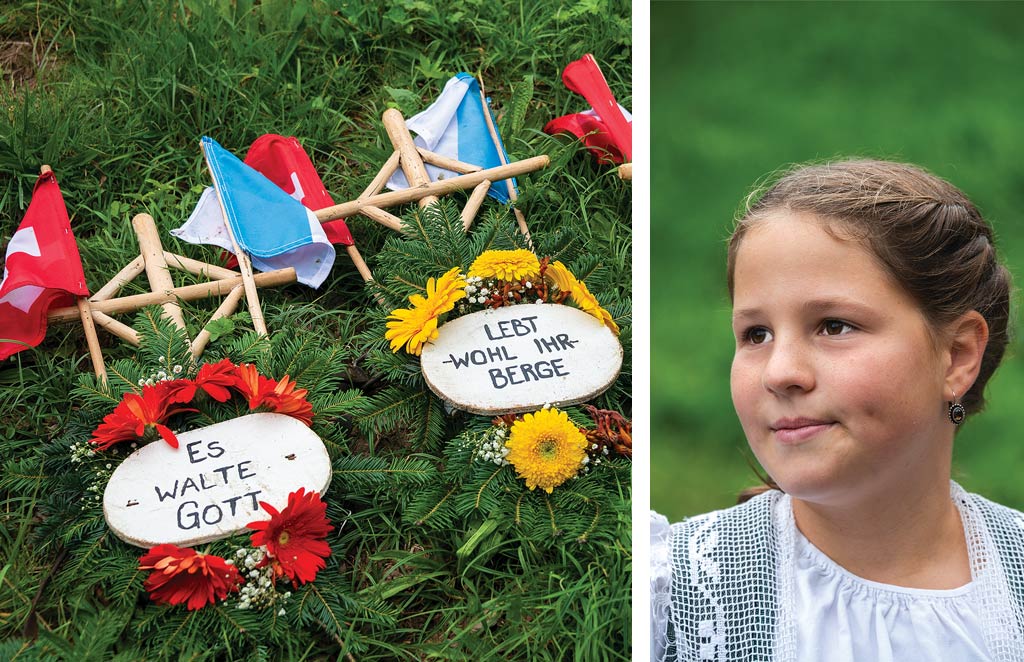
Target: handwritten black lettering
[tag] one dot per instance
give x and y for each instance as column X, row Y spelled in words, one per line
column 191, row 517
column 164, row 494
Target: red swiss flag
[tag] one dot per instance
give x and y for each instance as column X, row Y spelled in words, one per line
column 42, row 269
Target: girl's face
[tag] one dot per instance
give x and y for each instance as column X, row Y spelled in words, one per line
column 836, row 379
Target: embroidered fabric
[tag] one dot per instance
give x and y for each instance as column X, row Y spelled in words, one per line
column 661, row 577
column 731, row 588
column 845, row 618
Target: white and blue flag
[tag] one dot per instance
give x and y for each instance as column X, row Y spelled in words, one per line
column 455, row 126
column 272, row 227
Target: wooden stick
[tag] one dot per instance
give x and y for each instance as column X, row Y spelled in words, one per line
column 442, row 161
column 198, row 268
column 357, row 260
column 626, row 171
column 474, row 202
column 252, row 297
column 382, row 217
column 412, row 164
column 227, row 307
column 91, row 339
column 364, row 270
column 122, row 331
column 377, row 185
column 122, row 278
column 512, row 195
column 156, row 267
column 185, row 293
column 442, row 187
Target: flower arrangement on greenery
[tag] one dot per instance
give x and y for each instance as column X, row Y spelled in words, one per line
column 537, row 470
column 290, row 570
column 141, row 416
column 546, row 449
column 496, row 278
column 291, row 543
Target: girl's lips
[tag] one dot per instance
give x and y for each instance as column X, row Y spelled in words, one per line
column 796, row 431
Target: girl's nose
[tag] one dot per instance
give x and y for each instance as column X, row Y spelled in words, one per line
column 789, row 368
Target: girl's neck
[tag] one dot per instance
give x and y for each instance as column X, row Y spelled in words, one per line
column 913, row 539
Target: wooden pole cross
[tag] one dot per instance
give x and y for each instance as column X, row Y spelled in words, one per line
column 412, row 159
column 157, row 262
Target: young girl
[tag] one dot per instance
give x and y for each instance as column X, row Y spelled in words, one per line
column 869, row 311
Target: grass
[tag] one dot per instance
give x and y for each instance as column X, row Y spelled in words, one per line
column 114, row 96
column 741, row 89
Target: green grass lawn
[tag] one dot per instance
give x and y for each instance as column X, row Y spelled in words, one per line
column 741, row 89
column 434, row 560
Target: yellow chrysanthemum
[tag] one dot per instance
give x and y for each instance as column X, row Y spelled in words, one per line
column 411, row 327
column 588, row 304
column 546, row 449
column 558, row 275
column 506, row 265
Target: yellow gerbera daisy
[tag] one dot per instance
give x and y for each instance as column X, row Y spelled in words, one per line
column 449, row 288
column 546, row 449
column 411, row 327
column 588, row 304
column 506, row 265
column 558, row 275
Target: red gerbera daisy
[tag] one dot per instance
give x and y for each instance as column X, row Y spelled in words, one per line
column 251, row 384
column 134, row 416
column 215, row 378
column 295, row 537
column 281, row 397
column 177, row 390
column 185, row 575
column 286, row 399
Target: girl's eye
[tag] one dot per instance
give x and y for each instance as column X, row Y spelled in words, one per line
column 835, row 327
column 757, row 335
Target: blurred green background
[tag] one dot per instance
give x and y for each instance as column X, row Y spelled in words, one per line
column 738, row 90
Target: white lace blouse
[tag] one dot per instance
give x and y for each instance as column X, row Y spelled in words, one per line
column 841, row 617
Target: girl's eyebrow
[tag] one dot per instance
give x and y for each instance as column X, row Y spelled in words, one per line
column 826, row 304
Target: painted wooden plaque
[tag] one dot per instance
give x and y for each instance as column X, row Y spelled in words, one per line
column 518, row 358
column 211, row 485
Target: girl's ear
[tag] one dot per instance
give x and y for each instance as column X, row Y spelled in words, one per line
column 968, row 338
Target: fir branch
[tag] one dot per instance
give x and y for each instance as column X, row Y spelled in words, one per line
column 479, row 493
column 422, row 520
column 168, row 640
column 364, row 472
column 317, row 601
column 161, row 337
column 92, row 389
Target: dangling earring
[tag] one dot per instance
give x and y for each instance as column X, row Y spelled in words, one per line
column 957, row 413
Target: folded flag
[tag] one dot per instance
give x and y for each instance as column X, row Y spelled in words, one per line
column 283, row 161
column 273, row 228
column 42, row 270
column 455, row 126
column 591, row 129
column 607, row 128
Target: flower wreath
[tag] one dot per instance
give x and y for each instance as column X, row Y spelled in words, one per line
column 545, row 448
column 290, row 545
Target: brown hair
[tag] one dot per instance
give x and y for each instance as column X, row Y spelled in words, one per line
column 924, row 232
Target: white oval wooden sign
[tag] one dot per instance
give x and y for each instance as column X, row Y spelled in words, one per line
column 518, row 358
column 211, row 485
